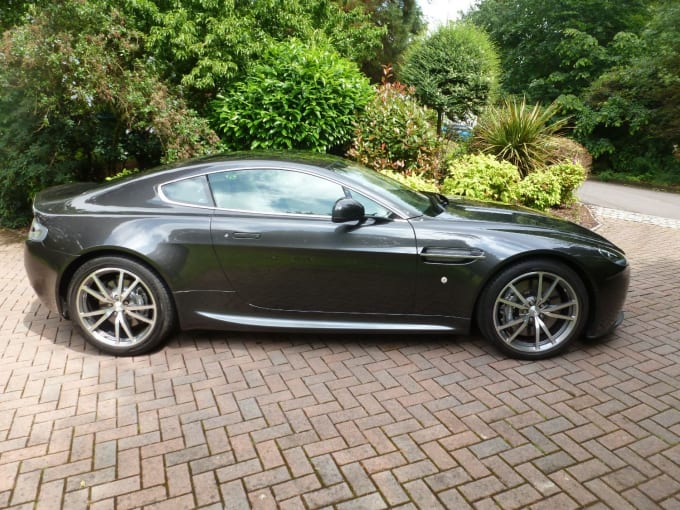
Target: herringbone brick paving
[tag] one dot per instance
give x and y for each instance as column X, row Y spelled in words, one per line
column 347, row 422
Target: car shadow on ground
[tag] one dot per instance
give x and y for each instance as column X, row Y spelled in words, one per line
column 58, row 331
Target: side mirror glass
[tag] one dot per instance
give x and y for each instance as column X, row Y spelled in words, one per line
column 347, row 209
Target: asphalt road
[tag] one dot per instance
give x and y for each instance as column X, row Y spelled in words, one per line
column 630, row 198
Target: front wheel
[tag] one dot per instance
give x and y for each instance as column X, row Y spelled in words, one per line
column 534, row 309
column 120, row 306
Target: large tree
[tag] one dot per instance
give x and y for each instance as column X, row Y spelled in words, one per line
column 552, row 47
column 454, row 71
column 629, row 117
column 402, row 21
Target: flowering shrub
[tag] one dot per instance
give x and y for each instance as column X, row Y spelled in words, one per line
column 394, row 133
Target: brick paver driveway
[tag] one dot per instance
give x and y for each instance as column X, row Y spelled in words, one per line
column 294, row 421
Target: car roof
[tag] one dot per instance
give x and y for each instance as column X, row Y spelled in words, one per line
column 142, row 188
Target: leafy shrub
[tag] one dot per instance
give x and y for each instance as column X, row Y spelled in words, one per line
column 22, row 177
column 481, row 177
column 394, row 133
column 516, row 133
column 414, row 181
column 539, row 190
column 295, row 97
column 570, row 177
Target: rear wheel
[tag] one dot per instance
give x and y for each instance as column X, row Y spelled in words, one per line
column 120, row 306
column 534, row 309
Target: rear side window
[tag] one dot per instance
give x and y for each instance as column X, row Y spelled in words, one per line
column 192, row 191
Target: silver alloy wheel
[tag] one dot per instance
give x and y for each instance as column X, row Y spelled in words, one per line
column 536, row 312
column 116, row 307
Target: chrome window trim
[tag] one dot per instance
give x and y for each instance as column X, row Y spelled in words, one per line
column 214, row 207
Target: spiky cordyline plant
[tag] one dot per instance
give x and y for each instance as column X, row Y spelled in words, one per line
column 519, row 134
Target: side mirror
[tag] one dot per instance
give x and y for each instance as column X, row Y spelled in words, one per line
column 348, row 209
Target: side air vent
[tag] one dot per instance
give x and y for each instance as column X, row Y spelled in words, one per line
column 451, row 255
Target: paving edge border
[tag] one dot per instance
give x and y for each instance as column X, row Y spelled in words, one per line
column 617, row 214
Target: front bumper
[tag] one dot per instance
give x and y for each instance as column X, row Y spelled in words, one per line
column 607, row 310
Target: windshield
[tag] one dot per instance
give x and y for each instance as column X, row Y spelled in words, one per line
column 410, row 202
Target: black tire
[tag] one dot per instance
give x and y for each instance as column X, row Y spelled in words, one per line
column 510, row 310
column 120, row 306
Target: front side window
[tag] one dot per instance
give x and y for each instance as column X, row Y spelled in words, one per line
column 274, row 191
column 371, row 207
column 407, row 199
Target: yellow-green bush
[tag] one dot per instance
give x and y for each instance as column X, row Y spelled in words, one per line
column 481, row 177
column 570, row 177
column 414, row 181
column 539, row 190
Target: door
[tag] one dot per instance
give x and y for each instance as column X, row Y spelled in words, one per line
column 278, row 247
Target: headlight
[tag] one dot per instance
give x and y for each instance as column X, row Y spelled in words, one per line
column 38, row 231
column 614, row 256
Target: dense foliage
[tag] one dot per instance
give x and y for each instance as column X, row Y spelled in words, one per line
column 78, row 100
column 552, row 47
column 629, row 117
column 89, row 89
column 613, row 66
column 454, row 71
column 296, row 97
column 550, row 186
column 539, row 190
column 570, row 176
column 414, row 181
column 14, row 12
column 394, row 133
column 482, row 177
column 204, row 45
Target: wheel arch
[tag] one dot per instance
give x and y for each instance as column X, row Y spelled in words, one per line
column 73, row 266
column 555, row 256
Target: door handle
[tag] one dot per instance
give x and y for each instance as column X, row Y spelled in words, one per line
column 244, row 235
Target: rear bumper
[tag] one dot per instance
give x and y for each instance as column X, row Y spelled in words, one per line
column 42, row 275
column 607, row 314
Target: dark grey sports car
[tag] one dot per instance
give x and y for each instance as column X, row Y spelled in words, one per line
column 312, row 243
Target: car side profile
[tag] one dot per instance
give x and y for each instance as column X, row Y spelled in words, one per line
column 303, row 242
